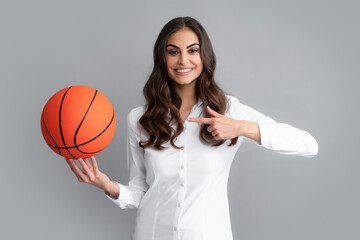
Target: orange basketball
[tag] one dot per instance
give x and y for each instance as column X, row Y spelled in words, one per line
column 78, row 122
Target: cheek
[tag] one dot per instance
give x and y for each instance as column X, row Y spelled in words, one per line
column 198, row 62
column 169, row 62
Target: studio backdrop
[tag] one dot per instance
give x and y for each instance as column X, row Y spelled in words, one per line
column 295, row 61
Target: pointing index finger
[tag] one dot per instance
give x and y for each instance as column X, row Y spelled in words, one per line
column 201, row 120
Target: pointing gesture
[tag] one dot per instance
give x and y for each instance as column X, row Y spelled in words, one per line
column 221, row 127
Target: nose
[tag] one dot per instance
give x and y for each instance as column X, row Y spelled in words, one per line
column 183, row 58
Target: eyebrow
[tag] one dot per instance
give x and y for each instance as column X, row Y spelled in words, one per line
column 171, row 45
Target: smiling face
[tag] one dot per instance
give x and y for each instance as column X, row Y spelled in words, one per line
column 183, row 59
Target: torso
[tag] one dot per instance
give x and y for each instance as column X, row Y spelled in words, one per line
column 184, row 113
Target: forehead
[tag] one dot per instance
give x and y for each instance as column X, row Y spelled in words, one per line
column 183, row 37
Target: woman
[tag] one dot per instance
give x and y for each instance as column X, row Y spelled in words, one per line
column 181, row 144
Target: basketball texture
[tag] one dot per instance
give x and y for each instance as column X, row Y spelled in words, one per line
column 78, row 122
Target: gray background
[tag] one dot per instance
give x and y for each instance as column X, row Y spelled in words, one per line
column 295, row 61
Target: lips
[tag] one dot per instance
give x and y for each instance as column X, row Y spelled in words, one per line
column 183, row 71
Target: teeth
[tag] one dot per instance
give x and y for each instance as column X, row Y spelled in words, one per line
column 184, row 70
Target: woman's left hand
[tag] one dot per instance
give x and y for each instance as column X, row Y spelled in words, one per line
column 221, row 127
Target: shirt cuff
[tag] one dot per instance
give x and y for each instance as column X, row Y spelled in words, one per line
column 124, row 196
column 265, row 132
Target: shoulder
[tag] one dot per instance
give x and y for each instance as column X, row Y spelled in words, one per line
column 231, row 102
column 133, row 117
column 231, row 98
column 238, row 110
column 136, row 113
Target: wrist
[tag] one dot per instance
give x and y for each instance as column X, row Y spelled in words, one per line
column 112, row 189
column 109, row 186
column 241, row 127
column 251, row 130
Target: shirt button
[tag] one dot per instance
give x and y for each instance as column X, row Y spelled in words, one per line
column 179, row 204
column 175, row 229
column 183, row 184
column 182, row 167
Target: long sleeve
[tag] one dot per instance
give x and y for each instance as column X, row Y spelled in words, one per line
column 131, row 194
column 279, row 137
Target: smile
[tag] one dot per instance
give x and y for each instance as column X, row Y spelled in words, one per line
column 183, row 70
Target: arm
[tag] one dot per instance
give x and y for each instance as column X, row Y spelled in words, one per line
column 112, row 190
column 265, row 131
column 129, row 196
column 249, row 129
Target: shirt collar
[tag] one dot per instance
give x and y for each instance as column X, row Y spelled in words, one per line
column 197, row 105
column 199, row 102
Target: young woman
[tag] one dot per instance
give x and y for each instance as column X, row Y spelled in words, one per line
column 181, row 144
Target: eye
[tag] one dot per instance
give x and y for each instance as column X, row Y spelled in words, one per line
column 193, row 50
column 172, row 52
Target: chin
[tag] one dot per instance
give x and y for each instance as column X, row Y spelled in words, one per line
column 184, row 82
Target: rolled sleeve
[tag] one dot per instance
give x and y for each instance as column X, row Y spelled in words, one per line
column 279, row 137
column 123, row 200
column 286, row 139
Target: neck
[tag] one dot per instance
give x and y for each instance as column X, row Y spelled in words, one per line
column 187, row 94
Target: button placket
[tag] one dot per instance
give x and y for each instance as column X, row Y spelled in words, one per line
column 190, row 114
column 182, row 182
column 182, row 175
column 182, row 190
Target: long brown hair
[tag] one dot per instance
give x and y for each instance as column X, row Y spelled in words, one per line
column 162, row 100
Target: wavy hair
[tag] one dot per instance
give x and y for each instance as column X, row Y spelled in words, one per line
column 163, row 103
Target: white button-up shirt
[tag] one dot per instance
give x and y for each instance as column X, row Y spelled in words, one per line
column 182, row 194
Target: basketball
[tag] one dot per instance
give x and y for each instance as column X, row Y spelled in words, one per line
column 78, row 122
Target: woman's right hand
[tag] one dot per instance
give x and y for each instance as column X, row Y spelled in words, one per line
column 90, row 173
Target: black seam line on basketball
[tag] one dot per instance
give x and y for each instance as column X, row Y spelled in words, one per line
column 43, row 120
column 78, row 128
column 77, row 147
column 91, row 152
column 89, row 140
column 74, row 147
column 61, row 133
